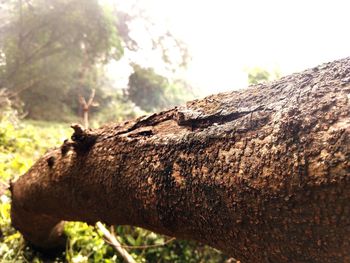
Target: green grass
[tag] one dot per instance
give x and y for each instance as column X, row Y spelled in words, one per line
column 23, row 143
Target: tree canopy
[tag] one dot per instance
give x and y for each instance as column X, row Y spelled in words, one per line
column 151, row 91
column 54, row 51
column 257, row 75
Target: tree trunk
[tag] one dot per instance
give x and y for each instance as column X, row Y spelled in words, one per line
column 262, row 174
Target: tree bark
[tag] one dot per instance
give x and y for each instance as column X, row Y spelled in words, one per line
column 262, row 174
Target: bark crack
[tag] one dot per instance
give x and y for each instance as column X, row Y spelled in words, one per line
column 215, row 119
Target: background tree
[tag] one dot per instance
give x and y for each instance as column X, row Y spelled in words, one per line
column 52, row 52
column 147, row 89
column 53, row 49
column 151, row 91
column 258, row 75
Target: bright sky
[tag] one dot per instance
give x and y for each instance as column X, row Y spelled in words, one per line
column 226, row 36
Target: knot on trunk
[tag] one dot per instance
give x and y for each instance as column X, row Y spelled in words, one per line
column 81, row 140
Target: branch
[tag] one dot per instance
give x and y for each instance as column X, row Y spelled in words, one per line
column 118, row 247
column 92, row 95
column 145, row 246
column 261, row 174
column 82, row 102
column 86, row 106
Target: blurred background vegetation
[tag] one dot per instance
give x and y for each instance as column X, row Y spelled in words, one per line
column 51, row 53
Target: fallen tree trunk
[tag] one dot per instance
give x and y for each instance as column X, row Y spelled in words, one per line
column 262, row 174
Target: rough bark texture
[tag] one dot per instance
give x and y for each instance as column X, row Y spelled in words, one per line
column 262, row 174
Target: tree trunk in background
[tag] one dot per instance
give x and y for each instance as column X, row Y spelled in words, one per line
column 262, row 174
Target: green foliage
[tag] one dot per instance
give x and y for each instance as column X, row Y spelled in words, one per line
column 147, row 89
column 178, row 92
column 116, row 109
column 54, row 50
column 20, row 145
column 85, row 244
column 151, row 91
column 175, row 251
column 258, row 75
column 51, row 52
column 11, row 243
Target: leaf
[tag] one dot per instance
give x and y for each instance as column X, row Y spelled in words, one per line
column 130, row 240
